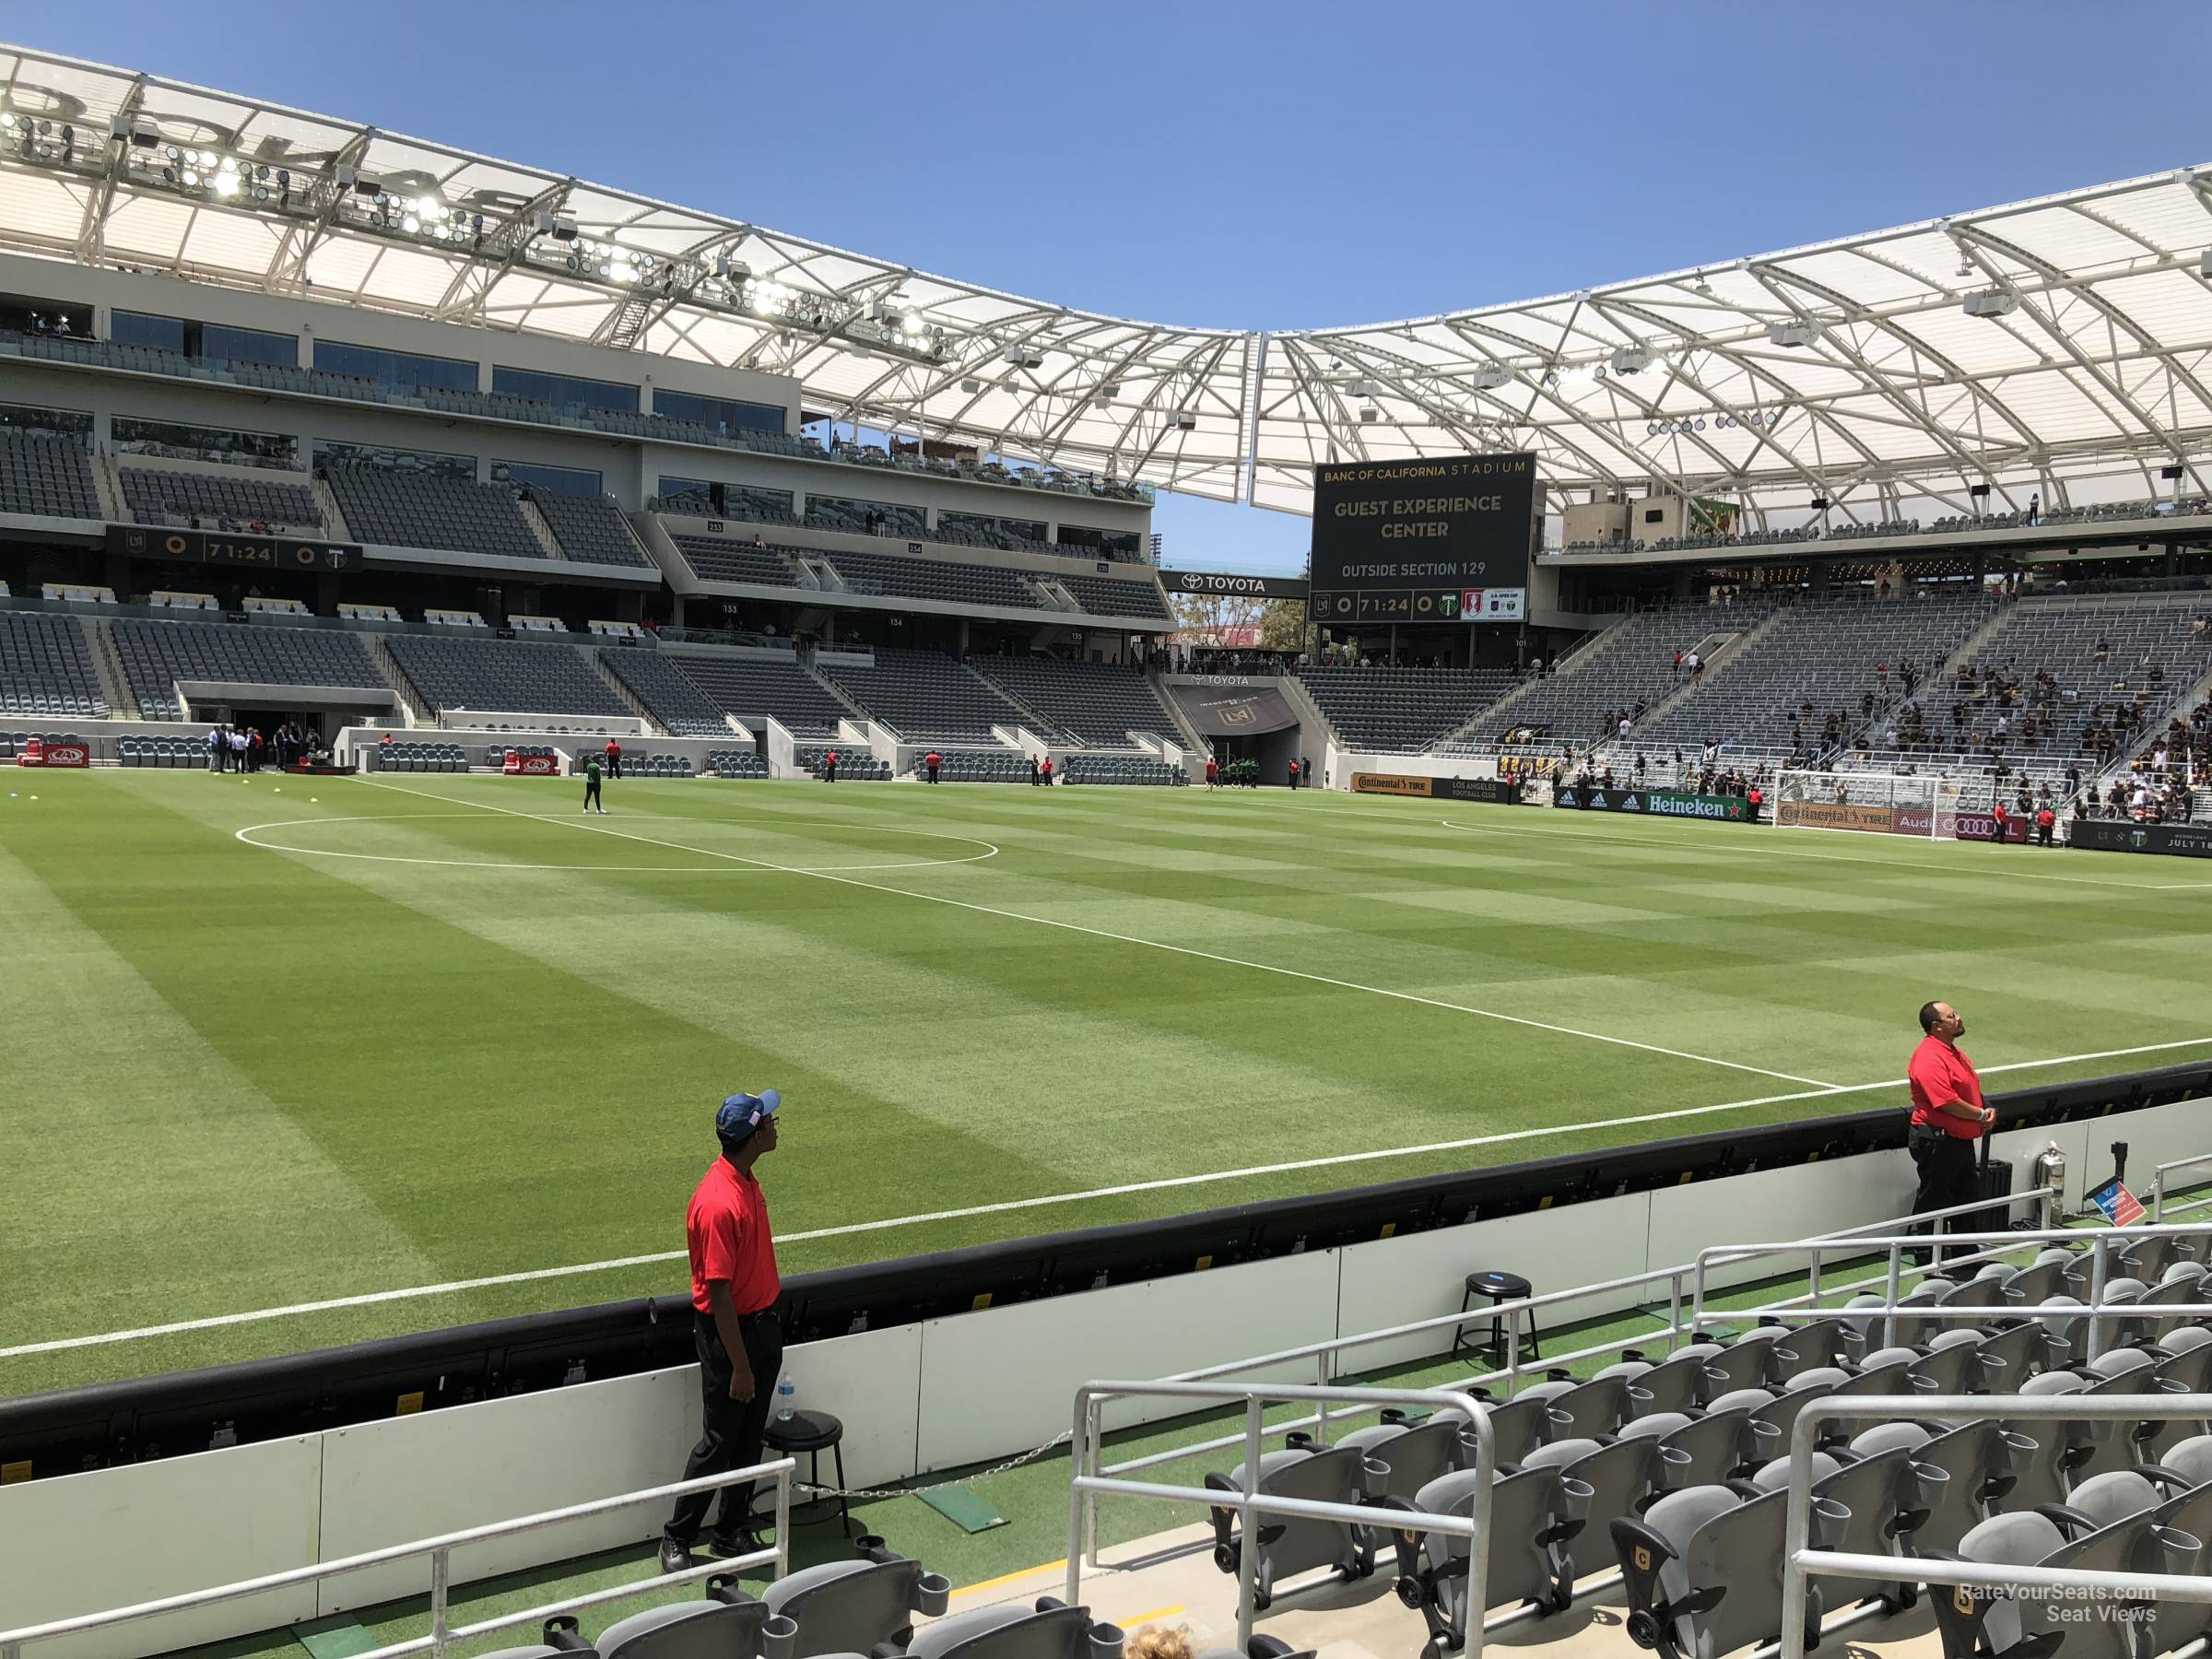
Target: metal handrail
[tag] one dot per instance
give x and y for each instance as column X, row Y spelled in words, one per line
column 2158, row 1184
column 439, row 1549
column 1799, row 1560
column 2095, row 1310
column 1249, row 1503
column 1325, row 1352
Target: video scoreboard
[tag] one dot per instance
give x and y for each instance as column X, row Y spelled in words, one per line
column 1409, row 541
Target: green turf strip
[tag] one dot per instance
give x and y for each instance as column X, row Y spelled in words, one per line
column 302, row 1076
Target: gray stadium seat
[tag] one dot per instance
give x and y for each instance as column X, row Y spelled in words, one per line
column 850, row 1607
column 1535, row 1513
column 1290, row 1547
column 1050, row 1629
column 1704, row 1570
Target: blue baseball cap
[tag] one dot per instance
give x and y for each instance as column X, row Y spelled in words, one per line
column 743, row 1113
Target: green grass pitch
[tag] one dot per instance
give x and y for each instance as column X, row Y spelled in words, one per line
column 430, row 1030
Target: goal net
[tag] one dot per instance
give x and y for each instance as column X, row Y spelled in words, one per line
column 1870, row 803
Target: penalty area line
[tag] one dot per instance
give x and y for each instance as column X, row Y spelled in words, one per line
column 1044, row 1201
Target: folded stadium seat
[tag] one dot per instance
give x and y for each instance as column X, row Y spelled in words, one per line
column 1703, row 1571
column 850, row 1607
column 1677, row 1383
column 563, row 1637
column 1404, row 1458
column 2116, row 1528
column 1050, row 1629
column 2009, row 1358
column 728, row 1624
column 1290, row 1547
column 1623, row 1476
column 1535, row 1513
column 2043, row 1475
column 1870, row 1481
column 1519, row 1425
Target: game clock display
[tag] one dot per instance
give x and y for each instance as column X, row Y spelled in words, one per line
column 1441, row 605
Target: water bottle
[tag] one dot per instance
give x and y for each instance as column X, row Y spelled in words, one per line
column 787, row 1398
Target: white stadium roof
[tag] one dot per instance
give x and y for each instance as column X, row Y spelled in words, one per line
column 2063, row 344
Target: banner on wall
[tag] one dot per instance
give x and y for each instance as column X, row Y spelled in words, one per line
column 1654, row 803
column 1494, row 792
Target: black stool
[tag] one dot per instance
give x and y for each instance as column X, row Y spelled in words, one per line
column 813, row 1432
column 1498, row 1287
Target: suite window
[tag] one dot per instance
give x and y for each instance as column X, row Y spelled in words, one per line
column 395, row 371
column 565, row 390
column 723, row 414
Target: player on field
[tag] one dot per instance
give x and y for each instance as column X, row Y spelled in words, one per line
column 591, row 786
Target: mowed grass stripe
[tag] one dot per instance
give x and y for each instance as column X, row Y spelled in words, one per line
column 952, row 1061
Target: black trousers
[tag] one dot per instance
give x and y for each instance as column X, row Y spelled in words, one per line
column 614, row 766
column 1947, row 1175
column 591, row 795
column 730, row 1431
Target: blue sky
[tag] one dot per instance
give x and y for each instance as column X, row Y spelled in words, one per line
column 1287, row 165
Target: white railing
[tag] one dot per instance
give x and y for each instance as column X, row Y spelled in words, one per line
column 1799, row 1558
column 1325, row 1355
column 444, row 1632
column 2158, row 1184
column 2093, row 1308
column 1090, row 1482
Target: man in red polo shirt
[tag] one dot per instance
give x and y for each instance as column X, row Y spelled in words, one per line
column 734, row 1327
column 1947, row 1115
column 614, row 759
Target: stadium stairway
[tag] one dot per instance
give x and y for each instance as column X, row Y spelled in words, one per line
column 334, row 516
column 380, row 653
column 630, row 699
column 108, row 481
column 114, row 684
column 539, row 528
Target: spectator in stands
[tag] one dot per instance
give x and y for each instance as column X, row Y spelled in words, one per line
column 1695, row 665
column 1157, row 1641
column 734, row 1332
column 933, row 761
column 1949, row 1115
column 614, row 759
column 591, row 786
column 2046, row 822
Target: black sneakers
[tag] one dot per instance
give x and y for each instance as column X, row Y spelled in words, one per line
column 674, row 1557
column 735, row 1544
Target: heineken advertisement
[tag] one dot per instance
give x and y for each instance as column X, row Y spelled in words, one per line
column 1653, row 802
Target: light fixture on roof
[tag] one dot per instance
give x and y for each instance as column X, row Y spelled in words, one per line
column 1186, row 421
column 1631, row 359
column 972, row 387
column 1793, row 335
column 1702, row 285
column 1369, row 414
column 1024, row 356
column 2204, row 263
column 1491, row 376
column 1994, row 302
column 1360, row 388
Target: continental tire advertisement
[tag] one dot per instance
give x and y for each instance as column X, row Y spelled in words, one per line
column 1495, row 792
column 1654, row 803
column 1834, row 815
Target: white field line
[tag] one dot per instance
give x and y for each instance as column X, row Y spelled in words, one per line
column 1044, row 1201
column 1100, row 932
column 1881, row 864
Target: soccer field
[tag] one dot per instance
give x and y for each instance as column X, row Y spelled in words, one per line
column 280, row 1042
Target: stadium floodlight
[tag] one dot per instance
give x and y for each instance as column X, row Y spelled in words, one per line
column 1360, row 388
column 1186, row 421
column 973, row 388
column 1024, row 356
column 1491, row 376
column 1793, row 335
column 1369, row 414
column 1631, row 359
column 1994, row 303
